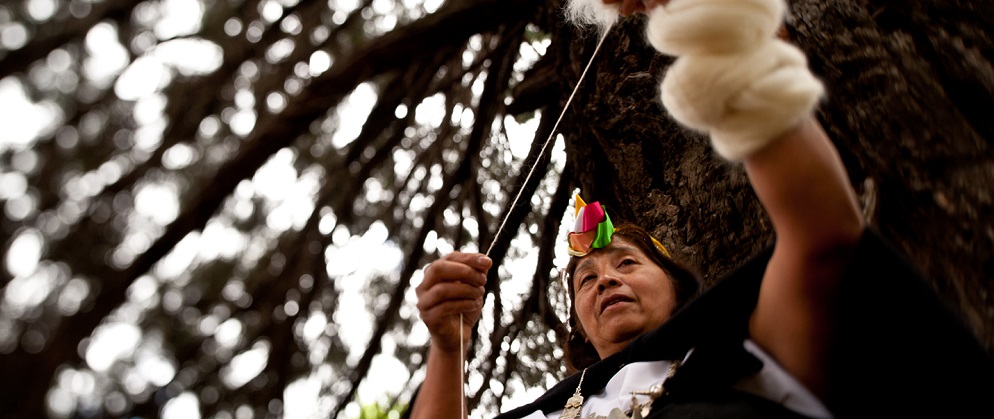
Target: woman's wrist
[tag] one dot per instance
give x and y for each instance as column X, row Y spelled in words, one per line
column 447, row 348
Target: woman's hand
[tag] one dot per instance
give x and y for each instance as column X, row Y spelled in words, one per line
column 629, row 7
column 452, row 285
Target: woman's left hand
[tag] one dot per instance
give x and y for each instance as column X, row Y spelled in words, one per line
column 629, row 7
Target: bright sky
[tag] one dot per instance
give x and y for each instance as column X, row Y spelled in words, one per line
column 22, row 119
column 287, row 193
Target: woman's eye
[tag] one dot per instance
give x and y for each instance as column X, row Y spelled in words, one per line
column 586, row 279
column 627, row 262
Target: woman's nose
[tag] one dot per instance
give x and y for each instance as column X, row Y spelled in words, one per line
column 606, row 282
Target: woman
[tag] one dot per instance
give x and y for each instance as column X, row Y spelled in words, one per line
column 788, row 335
column 622, row 293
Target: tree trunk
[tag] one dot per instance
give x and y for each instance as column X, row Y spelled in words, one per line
column 909, row 88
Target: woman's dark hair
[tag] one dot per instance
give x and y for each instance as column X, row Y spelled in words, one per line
column 686, row 285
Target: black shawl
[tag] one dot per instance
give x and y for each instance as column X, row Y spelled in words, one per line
column 898, row 351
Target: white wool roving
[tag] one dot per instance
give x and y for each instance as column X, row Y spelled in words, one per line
column 713, row 26
column 592, row 12
column 732, row 79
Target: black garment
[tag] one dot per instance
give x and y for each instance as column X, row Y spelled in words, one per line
column 898, row 351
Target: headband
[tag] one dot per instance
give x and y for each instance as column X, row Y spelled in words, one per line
column 593, row 230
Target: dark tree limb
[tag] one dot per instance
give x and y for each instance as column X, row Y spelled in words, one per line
column 390, row 52
column 51, row 37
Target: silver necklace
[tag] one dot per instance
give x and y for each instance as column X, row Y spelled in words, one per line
column 639, row 410
column 575, row 403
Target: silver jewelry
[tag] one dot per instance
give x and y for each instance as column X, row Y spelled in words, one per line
column 641, row 410
column 575, row 403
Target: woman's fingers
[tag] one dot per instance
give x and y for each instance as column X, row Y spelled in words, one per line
column 451, row 286
column 457, row 276
column 629, row 7
column 443, row 323
column 470, row 268
column 447, row 309
column 649, row 4
column 440, row 307
column 477, row 260
column 446, row 292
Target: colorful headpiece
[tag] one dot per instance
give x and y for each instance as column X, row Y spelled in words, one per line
column 593, row 230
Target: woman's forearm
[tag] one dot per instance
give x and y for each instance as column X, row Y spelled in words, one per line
column 441, row 395
column 804, row 188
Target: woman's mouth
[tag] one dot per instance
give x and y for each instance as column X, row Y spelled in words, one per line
column 613, row 300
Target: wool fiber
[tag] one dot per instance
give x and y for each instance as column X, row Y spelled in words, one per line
column 592, row 12
column 712, row 26
column 732, row 79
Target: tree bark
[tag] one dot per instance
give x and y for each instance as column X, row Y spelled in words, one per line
column 906, row 92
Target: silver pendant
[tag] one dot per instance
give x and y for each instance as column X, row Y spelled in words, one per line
column 617, row 414
column 639, row 410
column 643, row 412
column 573, row 406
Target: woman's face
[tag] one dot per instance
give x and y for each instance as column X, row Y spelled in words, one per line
column 620, row 293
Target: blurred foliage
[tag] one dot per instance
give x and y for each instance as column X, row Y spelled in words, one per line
column 219, row 206
column 376, row 411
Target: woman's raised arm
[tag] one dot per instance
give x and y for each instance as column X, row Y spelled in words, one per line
column 803, row 186
column 754, row 95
